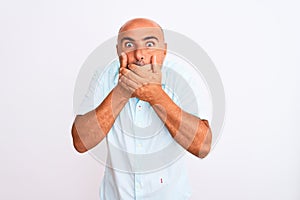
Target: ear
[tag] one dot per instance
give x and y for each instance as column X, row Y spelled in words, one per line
column 165, row 49
column 164, row 52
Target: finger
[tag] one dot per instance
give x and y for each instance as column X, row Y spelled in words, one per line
column 124, row 71
column 129, row 82
column 123, row 60
column 133, row 77
column 132, row 67
column 142, row 71
column 130, row 75
column 126, row 87
column 155, row 67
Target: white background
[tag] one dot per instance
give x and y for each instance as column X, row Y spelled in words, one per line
column 254, row 45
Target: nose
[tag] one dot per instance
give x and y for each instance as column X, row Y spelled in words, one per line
column 139, row 54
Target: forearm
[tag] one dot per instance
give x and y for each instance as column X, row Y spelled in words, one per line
column 189, row 131
column 90, row 129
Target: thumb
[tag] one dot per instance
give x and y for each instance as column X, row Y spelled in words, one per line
column 155, row 67
column 123, row 60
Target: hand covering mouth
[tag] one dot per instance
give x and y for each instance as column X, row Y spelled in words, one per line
column 140, row 63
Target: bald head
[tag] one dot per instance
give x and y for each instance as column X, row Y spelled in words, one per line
column 136, row 25
column 139, row 23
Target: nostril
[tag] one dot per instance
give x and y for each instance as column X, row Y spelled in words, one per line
column 142, row 58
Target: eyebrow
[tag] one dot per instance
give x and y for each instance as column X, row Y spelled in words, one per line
column 150, row 37
column 144, row 39
column 127, row 38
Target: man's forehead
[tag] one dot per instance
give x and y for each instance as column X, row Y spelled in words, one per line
column 141, row 33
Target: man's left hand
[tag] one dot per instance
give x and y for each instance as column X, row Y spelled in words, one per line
column 143, row 81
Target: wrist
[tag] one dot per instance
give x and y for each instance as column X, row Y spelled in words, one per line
column 159, row 93
column 120, row 94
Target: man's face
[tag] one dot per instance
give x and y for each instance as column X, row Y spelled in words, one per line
column 141, row 44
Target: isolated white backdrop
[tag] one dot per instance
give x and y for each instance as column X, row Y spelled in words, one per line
column 254, row 45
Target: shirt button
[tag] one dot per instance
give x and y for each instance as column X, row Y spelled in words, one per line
column 139, row 107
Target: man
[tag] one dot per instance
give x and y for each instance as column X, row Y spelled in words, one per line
column 142, row 50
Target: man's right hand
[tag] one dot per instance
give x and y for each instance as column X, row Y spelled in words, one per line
column 122, row 88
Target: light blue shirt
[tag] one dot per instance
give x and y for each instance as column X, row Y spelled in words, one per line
column 143, row 161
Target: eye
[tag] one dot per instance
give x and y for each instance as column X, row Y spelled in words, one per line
column 149, row 44
column 128, row 44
